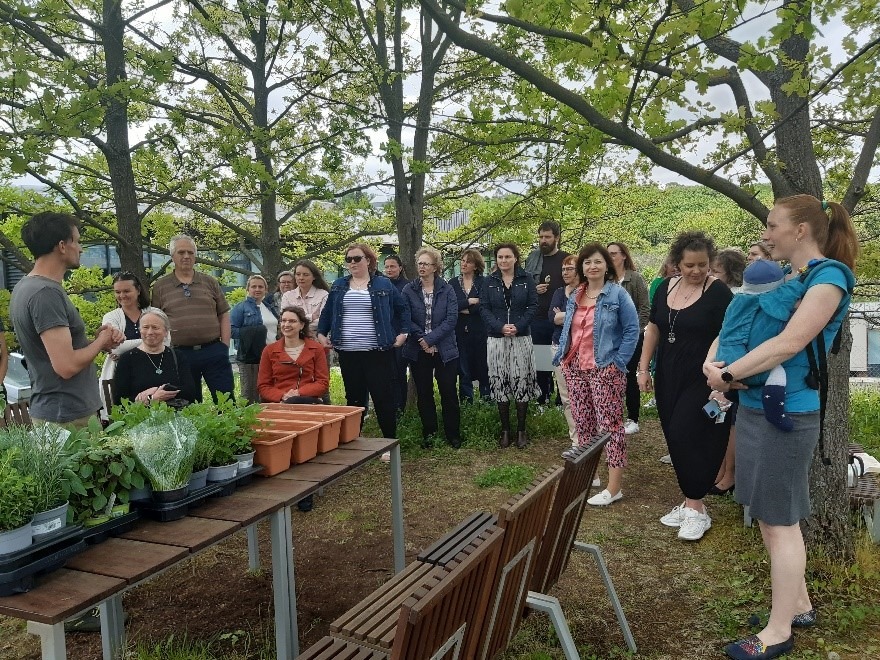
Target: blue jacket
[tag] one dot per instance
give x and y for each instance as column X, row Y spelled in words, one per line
column 444, row 315
column 615, row 327
column 246, row 315
column 523, row 303
column 390, row 313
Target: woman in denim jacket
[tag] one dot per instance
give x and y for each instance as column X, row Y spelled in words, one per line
column 509, row 303
column 431, row 348
column 364, row 317
column 599, row 336
column 254, row 324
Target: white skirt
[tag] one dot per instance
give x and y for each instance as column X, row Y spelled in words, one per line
column 512, row 374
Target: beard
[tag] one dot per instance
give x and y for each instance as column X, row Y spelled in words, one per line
column 546, row 249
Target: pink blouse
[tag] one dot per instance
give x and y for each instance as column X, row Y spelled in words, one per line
column 582, row 338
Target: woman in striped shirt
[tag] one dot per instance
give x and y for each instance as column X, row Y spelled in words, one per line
column 364, row 317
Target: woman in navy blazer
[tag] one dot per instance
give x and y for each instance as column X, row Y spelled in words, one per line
column 431, row 347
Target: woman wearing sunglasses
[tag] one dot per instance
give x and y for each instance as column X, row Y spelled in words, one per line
column 599, row 336
column 364, row 317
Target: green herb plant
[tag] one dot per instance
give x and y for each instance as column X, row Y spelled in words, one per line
column 163, row 445
column 43, row 453
column 17, row 496
column 102, row 472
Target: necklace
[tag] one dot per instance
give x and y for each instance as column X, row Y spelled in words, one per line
column 672, row 319
column 161, row 359
column 355, row 284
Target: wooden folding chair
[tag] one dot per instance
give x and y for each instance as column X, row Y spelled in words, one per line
column 560, row 539
column 523, row 519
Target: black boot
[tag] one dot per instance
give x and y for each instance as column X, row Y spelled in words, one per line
column 522, row 408
column 504, row 414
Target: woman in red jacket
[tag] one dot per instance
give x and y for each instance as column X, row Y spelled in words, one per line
column 294, row 368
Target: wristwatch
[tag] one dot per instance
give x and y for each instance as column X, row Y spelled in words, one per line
column 726, row 376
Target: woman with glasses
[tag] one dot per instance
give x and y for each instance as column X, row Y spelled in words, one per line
column 599, row 336
column 508, row 307
column 470, row 331
column 294, row 368
column 557, row 316
column 254, row 324
column 132, row 302
column 309, row 294
column 365, row 316
column 431, row 348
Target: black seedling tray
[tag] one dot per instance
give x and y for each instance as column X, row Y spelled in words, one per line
column 113, row 527
column 18, row 569
column 168, row 511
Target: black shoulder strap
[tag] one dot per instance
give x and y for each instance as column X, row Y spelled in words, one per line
column 819, row 376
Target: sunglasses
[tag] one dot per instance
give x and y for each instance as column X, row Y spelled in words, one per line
column 186, row 292
column 354, row 260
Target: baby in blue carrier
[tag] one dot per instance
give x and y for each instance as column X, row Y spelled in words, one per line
column 755, row 304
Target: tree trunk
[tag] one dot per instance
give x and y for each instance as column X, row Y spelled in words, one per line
column 117, row 150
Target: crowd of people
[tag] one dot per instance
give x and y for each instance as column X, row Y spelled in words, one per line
column 726, row 342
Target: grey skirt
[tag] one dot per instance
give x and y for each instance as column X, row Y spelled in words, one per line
column 773, row 467
column 511, row 362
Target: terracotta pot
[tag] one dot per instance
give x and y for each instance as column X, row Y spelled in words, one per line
column 273, row 450
column 351, row 424
column 331, row 423
column 305, row 444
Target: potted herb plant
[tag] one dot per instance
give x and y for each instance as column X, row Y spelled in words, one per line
column 16, row 504
column 218, row 430
column 203, row 450
column 44, row 453
column 101, row 474
column 163, row 445
column 247, row 423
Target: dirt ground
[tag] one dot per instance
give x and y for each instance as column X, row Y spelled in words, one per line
column 675, row 594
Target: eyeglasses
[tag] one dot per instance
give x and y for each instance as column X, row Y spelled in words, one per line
column 354, row 260
column 567, row 268
column 422, row 264
column 186, row 292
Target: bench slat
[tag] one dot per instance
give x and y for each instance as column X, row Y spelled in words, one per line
column 444, row 550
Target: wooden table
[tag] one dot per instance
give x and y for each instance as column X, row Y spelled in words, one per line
column 100, row 575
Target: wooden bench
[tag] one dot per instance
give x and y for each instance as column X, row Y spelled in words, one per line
column 16, row 413
column 561, row 538
column 425, row 612
column 447, row 547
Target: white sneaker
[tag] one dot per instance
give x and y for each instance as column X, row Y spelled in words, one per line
column 695, row 524
column 675, row 517
column 604, row 498
column 666, row 459
column 386, row 457
column 631, row 427
column 597, row 482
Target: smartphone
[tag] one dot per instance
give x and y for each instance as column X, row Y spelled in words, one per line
column 168, row 387
column 712, row 409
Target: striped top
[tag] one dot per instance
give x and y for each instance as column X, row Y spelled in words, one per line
column 358, row 326
column 195, row 318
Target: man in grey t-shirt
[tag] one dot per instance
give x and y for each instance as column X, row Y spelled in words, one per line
column 51, row 331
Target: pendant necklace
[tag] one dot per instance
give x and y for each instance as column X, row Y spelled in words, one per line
column 672, row 319
column 161, row 359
